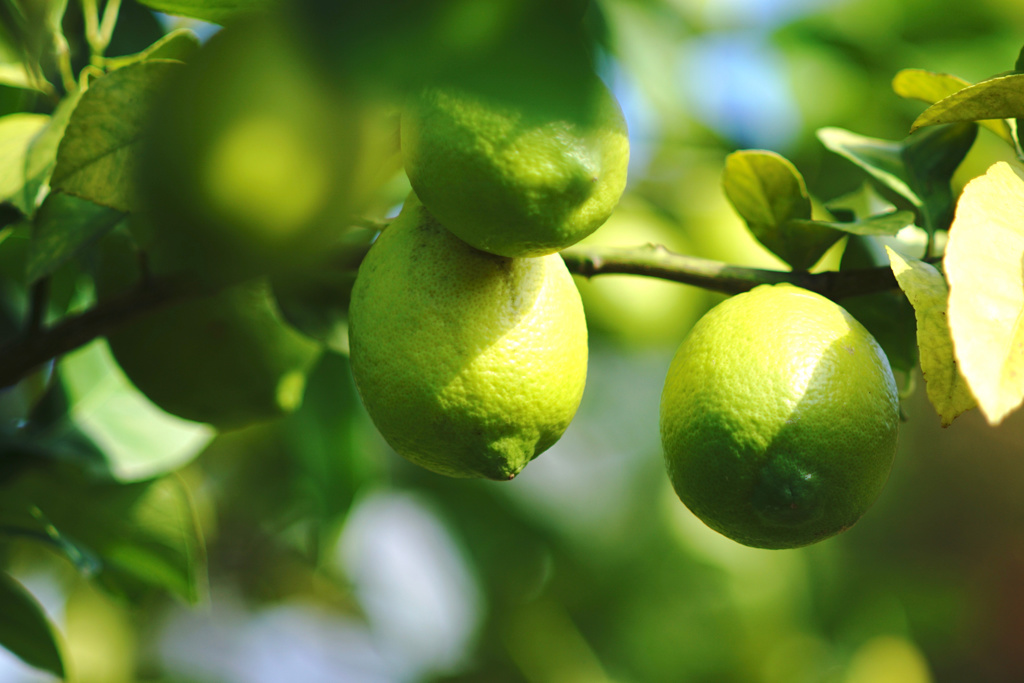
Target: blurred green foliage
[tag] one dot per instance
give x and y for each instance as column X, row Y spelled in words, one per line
column 317, row 554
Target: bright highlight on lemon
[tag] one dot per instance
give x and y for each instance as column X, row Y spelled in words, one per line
column 779, row 418
column 469, row 364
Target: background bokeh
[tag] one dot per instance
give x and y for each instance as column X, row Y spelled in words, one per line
column 331, row 559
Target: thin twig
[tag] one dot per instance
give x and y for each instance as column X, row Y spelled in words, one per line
column 656, row 261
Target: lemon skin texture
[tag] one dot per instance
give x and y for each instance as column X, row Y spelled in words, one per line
column 227, row 359
column 779, row 418
column 469, row 364
column 514, row 176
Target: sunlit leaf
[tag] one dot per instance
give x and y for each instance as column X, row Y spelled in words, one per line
column 16, row 75
column 16, row 134
column 927, row 86
column 1001, row 97
column 931, row 87
column 25, row 629
column 140, row 440
column 179, row 45
column 927, row 291
column 96, row 158
column 986, row 302
column 215, row 11
column 769, row 194
column 63, row 226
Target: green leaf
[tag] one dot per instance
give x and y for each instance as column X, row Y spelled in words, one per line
column 919, row 168
column 986, row 300
column 883, row 224
column 863, row 202
column 25, row 630
column 320, row 437
column 180, row 45
column 927, row 86
column 215, row 11
column 931, row 87
column 1001, row 97
column 63, row 226
column 318, row 306
column 927, row 291
column 769, row 194
column 17, row 132
column 96, row 158
column 140, row 440
column 42, row 155
column 138, row 536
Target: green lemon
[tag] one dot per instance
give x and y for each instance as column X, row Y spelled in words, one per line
column 227, row 358
column 779, row 418
column 516, row 174
column 469, row 364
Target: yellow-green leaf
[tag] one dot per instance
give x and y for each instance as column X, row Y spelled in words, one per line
column 928, row 294
column 986, row 299
column 1001, row 97
column 768, row 192
column 930, row 87
column 96, row 158
column 17, row 131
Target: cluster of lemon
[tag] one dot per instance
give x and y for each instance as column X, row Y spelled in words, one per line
column 467, row 334
column 469, row 345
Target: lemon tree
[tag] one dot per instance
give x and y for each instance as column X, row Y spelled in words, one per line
column 779, row 418
column 470, row 364
column 516, row 174
column 270, row 149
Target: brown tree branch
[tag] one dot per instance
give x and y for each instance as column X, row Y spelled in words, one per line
column 656, row 261
column 21, row 356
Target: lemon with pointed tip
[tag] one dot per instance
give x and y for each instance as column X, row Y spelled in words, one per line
column 779, row 418
column 469, row 364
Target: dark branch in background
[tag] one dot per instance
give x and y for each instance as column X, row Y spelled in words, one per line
column 20, row 357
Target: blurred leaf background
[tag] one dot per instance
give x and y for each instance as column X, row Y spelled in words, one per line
column 322, row 556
